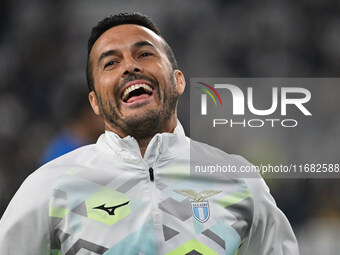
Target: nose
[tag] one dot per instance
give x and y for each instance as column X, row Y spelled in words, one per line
column 131, row 67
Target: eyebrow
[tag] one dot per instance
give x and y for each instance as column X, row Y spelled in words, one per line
column 106, row 54
column 114, row 52
column 142, row 43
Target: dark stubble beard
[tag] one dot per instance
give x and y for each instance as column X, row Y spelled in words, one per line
column 142, row 127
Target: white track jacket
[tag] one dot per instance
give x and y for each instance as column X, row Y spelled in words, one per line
column 106, row 199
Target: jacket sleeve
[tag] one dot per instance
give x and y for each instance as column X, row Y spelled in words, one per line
column 271, row 232
column 24, row 227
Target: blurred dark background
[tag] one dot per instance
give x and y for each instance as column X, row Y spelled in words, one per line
column 43, row 50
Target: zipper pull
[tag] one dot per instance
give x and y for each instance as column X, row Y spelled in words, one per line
column 151, row 174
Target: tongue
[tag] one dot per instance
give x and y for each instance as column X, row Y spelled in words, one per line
column 135, row 98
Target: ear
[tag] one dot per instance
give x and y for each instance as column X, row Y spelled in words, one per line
column 94, row 103
column 180, row 80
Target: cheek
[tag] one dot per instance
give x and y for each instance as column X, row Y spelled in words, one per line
column 160, row 65
column 162, row 72
column 166, row 66
column 105, row 84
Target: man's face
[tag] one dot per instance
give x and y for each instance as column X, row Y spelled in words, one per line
column 136, row 88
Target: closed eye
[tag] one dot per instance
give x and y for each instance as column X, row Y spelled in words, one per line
column 145, row 54
column 110, row 63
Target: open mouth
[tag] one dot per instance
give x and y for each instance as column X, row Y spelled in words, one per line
column 136, row 92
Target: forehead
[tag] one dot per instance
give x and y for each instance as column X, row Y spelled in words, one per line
column 124, row 36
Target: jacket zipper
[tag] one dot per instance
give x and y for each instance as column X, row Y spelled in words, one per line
column 151, row 174
column 153, row 196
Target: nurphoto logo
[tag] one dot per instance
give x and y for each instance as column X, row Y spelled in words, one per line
column 281, row 99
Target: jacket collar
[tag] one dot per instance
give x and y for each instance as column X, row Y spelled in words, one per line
column 163, row 146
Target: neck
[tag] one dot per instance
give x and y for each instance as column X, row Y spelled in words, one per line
column 144, row 142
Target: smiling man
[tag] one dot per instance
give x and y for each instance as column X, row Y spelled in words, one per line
column 132, row 192
column 134, row 85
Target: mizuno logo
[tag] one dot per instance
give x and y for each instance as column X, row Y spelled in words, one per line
column 110, row 210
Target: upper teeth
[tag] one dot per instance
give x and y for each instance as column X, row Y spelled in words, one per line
column 134, row 87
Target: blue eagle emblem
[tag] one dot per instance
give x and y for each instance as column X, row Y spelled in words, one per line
column 199, row 207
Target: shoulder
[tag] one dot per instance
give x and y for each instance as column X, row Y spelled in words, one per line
column 76, row 156
column 223, row 163
column 42, row 180
column 37, row 189
column 207, row 154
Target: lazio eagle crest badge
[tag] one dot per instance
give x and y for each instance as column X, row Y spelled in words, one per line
column 199, row 207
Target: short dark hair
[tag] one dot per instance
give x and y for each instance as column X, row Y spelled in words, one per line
column 105, row 24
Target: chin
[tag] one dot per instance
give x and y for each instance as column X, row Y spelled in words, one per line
column 146, row 125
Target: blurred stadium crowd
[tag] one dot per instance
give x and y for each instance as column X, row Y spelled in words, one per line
column 43, row 47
